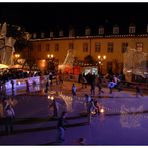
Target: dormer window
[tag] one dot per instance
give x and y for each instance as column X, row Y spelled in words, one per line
column 71, row 33
column 116, row 29
column 51, row 34
column 132, row 28
column 87, row 31
column 147, row 29
column 34, row 35
column 101, row 30
column 42, row 35
column 61, row 33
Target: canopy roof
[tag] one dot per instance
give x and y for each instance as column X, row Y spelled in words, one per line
column 3, row 66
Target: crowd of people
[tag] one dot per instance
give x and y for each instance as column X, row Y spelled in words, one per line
column 92, row 105
column 17, row 74
column 111, row 81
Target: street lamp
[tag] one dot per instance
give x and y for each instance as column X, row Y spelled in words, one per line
column 101, row 60
column 50, row 58
column 16, row 56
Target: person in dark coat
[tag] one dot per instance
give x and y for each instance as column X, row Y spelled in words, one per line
column 74, row 89
column 138, row 91
column 47, row 86
column 9, row 119
column 50, row 77
column 61, row 128
column 27, row 86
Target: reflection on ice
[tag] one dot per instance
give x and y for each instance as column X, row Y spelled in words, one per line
column 68, row 101
column 130, row 117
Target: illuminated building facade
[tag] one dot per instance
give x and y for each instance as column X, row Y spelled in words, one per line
column 112, row 46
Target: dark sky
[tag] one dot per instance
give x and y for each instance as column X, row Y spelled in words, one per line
column 45, row 16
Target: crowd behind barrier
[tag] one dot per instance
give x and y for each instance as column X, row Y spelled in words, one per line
column 17, row 74
column 38, row 79
column 34, row 80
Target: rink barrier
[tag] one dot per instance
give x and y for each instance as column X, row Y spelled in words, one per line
column 37, row 80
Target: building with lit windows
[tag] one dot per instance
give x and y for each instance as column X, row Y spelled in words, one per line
column 113, row 46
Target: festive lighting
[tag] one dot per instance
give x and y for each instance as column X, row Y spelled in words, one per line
column 93, row 112
column 52, row 98
column 50, row 55
column 102, row 110
column 17, row 55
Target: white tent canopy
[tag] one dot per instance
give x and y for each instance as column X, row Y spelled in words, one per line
column 3, row 66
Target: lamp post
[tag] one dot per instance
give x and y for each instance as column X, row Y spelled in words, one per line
column 16, row 56
column 50, row 61
column 101, row 60
column 49, row 56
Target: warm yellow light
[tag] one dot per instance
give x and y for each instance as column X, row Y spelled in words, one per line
column 99, row 57
column 101, row 110
column 48, row 97
column 93, row 112
column 17, row 55
column 104, row 57
column 50, row 55
column 52, row 98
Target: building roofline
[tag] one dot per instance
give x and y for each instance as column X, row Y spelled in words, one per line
column 92, row 37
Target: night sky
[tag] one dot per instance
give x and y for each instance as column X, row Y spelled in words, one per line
column 36, row 17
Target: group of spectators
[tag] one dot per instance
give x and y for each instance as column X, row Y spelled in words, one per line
column 93, row 80
column 17, row 74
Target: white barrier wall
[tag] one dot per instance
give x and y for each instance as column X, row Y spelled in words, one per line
column 22, row 82
column 37, row 80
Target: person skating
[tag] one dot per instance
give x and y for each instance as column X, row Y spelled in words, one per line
column 138, row 91
column 74, row 89
column 9, row 119
column 61, row 128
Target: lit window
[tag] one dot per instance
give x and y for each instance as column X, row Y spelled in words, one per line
column 132, row 28
column 87, row 31
column 101, row 30
column 139, row 46
column 116, row 29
